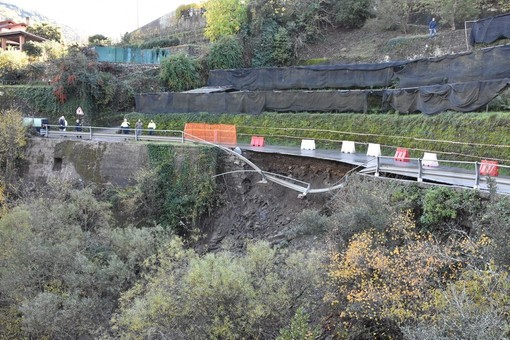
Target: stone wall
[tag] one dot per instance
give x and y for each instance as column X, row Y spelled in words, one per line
column 83, row 161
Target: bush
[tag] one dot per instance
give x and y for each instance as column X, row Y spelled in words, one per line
column 180, row 73
column 12, row 60
column 353, row 13
column 226, row 53
column 160, row 42
column 219, row 295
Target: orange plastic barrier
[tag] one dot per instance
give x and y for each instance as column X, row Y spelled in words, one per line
column 402, row 155
column 489, row 168
column 214, row 133
column 257, row 141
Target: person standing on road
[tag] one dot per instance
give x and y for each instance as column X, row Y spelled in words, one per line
column 432, row 28
column 138, row 129
column 62, row 123
column 151, row 126
column 125, row 126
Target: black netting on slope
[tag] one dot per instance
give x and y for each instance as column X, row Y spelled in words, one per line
column 463, row 97
column 490, row 29
column 306, row 77
column 486, row 64
column 252, row 102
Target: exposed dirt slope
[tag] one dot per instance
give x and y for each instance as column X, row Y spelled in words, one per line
column 248, row 209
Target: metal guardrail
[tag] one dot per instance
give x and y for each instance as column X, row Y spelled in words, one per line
column 108, row 133
column 467, row 174
column 463, row 175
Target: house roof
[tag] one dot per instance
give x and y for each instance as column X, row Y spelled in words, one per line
column 9, row 24
column 14, row 35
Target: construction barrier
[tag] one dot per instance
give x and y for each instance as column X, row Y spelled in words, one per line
column 489, row 168
column 214, row 133
column 374, row 150
column 257, row 141
column 429, row 159
column 402, row 155
column 307, row 144
column 348, row 147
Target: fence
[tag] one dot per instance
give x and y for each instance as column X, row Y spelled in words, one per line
column 130, row 55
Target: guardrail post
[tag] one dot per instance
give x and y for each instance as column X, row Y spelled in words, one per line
column 377, row 166
column 90, row 132
column 182, row 137
column 477, row 178
column 420, row 170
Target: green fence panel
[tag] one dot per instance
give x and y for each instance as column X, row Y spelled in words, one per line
column 130, row 55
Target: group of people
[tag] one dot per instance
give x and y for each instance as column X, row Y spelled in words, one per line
column 62, row 124
column 151, row 126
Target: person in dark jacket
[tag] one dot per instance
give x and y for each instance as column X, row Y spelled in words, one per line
column 432, row 28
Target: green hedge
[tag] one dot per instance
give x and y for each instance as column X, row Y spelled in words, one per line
column 456, row 134
column 38, row 101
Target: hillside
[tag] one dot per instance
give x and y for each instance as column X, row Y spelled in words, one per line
column 10, row 11
column 371, row 44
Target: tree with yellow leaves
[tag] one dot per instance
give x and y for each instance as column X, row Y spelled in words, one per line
column 391, row 274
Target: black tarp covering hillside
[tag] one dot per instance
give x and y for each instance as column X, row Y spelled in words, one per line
column 343, row 76
column 487, row 64
column 463, row 97
column 252, row 102
column 490, row 29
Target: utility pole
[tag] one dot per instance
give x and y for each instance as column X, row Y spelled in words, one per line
column 137, row 16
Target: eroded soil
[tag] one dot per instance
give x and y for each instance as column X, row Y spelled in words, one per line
column 250, row 210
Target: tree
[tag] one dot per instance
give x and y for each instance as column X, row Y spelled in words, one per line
column 64, row 264
column 219, row 296
column 47, row 31
column 397, row 13
column 353, row 13
column 12, row 142
column 224, row 17
column 393, row 274
column 12, row 61
column 100, row 40
column 225, row 53
column 453, row 11
column 180, row 72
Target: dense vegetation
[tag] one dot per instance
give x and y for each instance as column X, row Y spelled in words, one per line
column 382, row 259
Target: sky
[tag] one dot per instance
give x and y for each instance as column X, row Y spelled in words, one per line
column 111, row 18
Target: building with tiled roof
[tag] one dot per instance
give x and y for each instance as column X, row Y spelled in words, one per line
column 14, row 35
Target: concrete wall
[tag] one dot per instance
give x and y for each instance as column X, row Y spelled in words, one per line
column 84, row 161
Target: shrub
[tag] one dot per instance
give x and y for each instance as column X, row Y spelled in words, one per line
column 160, row 42
column 309, row 222
column 226, row 53
column 219, row 295
column 353, row 13
column 12, row 60
column 445, row 207
column 180, row 72
column 282, row 53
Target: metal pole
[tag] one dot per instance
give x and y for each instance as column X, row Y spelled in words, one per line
column 420, row 170
column 477, row 178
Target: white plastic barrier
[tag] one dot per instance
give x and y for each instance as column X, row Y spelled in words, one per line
column 348, row 147
column 374, row 150
column 429, row 159
column 307, row 144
